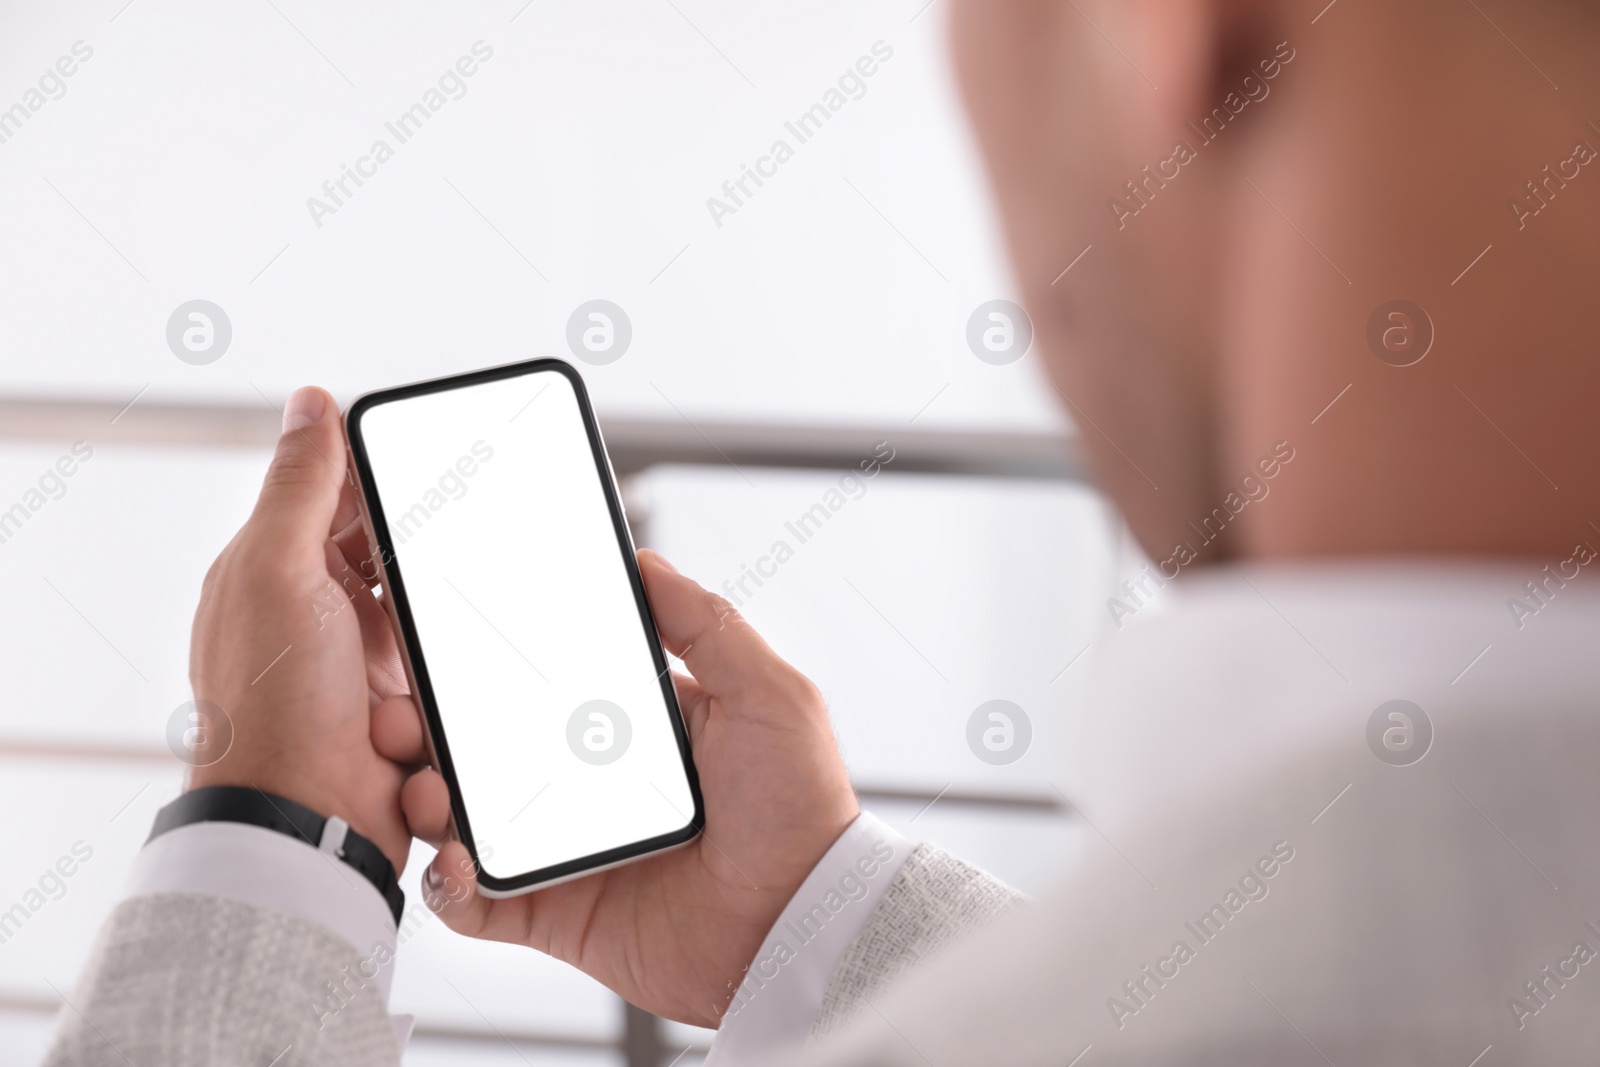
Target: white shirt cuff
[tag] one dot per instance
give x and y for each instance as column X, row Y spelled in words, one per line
column 782, row 992
column 262, row 867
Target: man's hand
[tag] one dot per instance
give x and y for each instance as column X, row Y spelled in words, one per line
column 674, row 933
column 291, row 644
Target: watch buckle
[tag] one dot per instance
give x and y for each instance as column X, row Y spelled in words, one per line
column 333, row 835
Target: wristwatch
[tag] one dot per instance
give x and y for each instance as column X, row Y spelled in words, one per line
column 253, row 807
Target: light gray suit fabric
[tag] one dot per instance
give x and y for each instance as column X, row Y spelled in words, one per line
column 190, row 980
column 1412, row 925
column 934, row 901
column 187, row 979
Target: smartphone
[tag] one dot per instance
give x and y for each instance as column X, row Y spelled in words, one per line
column 507, row 566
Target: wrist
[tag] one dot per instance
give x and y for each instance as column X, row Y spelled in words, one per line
column 808, row 853
column 780, row 995
column 251, row 806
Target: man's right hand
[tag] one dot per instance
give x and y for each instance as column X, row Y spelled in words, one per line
column 674, row 933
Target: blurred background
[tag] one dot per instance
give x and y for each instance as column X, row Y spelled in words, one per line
column 177, row 254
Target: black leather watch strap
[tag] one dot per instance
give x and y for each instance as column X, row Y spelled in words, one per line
column 245, row 804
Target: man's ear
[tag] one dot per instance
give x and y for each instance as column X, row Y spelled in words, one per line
column 1197, row 50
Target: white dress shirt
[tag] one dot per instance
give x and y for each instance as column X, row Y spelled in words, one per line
column 1223, row 672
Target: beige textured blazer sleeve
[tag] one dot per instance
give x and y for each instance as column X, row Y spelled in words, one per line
column 934, row 901
column 192, row 980
column 1330, row 910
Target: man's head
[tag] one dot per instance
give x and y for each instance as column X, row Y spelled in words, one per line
column 1254, row 180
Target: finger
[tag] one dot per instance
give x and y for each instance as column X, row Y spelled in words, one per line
column 397, row 731
column 353, row 564
column 725, row 654
column 301, row 491
column 339, row 569
column 348, row 513
column 386, row 675
column 692, row 699
column 350, row 534
column 425, row 800
column 450, row 890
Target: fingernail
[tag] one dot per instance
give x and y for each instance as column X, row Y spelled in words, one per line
column 434, row 879
column 662, row 560
column 305, row 407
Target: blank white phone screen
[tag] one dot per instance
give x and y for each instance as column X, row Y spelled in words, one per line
column 534, row 644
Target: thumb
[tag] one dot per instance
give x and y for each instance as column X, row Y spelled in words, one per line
column 450, row 891
column 723, row 651
column 302, row 486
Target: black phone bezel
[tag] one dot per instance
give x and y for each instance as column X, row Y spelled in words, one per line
column 394, row 587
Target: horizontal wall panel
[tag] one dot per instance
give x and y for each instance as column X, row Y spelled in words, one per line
column 61, row 812
column 101, row 580
column 910, row 600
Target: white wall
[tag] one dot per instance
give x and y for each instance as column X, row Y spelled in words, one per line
column 179, row 162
